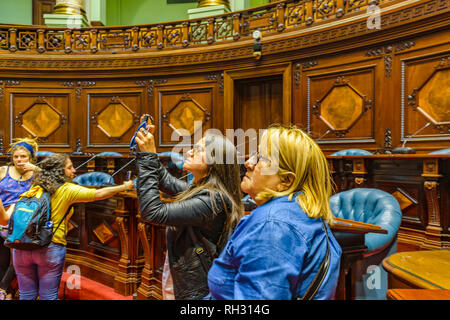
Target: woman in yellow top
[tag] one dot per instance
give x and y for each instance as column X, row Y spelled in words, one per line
column 39, row 271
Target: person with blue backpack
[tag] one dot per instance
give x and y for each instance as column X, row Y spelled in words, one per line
column 39, row 270
column 15, row 178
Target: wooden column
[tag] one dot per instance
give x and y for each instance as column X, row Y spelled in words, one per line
column 150, row 287
column 433, row 232
column 360, row 172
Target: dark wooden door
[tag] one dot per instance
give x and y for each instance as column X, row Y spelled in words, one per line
column 258, row 102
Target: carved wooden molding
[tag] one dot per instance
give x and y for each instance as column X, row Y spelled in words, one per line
column 78, row 85
column 340, row 32
column 216, row 77
column 388, row 52
column 7, row 83
column 149, row 84
column 434, row 219
column 298, row 69
column 123, row 236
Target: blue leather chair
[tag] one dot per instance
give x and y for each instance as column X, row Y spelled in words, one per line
column 177, row 160
column 376, row 207
column 442, row 151
column 94, row 179
column 109, row 154
column 44, row 153
column 351, row 152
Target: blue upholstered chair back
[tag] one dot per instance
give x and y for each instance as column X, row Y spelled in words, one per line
column 44, row 153
column 109, row 154
column 351, row 152
column 94, row 179
column 177, row 160
column 442, row 151
column 376, row 207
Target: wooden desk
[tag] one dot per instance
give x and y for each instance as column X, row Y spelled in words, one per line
column 351, row 237
column 418, row 270
column 417, row 294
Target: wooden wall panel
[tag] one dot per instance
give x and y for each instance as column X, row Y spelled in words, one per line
column 426, row 101
column 41, row 113
column 342, row 104
column 258, row 102
column 41, row 7
column 112, row 116
column 187, row 109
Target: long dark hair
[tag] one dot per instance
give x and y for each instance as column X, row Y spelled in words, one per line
column 51, row 175
column 223, row 179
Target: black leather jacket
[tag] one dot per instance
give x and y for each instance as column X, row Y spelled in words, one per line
column 189, row 278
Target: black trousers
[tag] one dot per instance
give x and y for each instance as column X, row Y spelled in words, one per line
column 7, row 272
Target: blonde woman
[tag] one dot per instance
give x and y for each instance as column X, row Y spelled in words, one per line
column 276, row 251
column 15, row 178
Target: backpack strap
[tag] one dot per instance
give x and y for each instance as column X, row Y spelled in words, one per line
column 323, row 270
column 65, row 215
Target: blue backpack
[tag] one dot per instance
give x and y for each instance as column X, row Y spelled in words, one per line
column 30, row 226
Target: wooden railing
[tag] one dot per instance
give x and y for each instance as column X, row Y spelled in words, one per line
column 278, row 17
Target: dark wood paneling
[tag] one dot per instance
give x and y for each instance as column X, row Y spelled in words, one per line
column 180, row 107
column 258, row 102
column 42, row 113
column 113, row 116
column 342, row 102
column 41, row 7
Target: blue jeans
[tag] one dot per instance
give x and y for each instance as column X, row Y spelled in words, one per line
column 39, row 271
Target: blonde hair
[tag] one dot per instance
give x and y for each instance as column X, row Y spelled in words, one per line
column 32, row 142
column 296, row 153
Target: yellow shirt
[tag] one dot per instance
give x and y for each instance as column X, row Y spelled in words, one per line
column 64, row 196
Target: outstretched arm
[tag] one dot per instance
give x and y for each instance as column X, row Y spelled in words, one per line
column 108, row 192
column 3, row 172
column 5, row 214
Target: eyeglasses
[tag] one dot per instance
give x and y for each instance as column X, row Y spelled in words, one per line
column 255, row 158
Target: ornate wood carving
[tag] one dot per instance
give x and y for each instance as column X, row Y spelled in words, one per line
column 388, row 52
column 78, row 85
column 216, row 77
column 149, row 84
column 355, row 29
column 7, row 83
column 298, row 69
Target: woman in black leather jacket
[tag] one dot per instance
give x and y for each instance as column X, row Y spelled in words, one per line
column 211, row 206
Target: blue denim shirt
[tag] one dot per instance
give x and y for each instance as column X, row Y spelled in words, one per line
column 274, row 253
